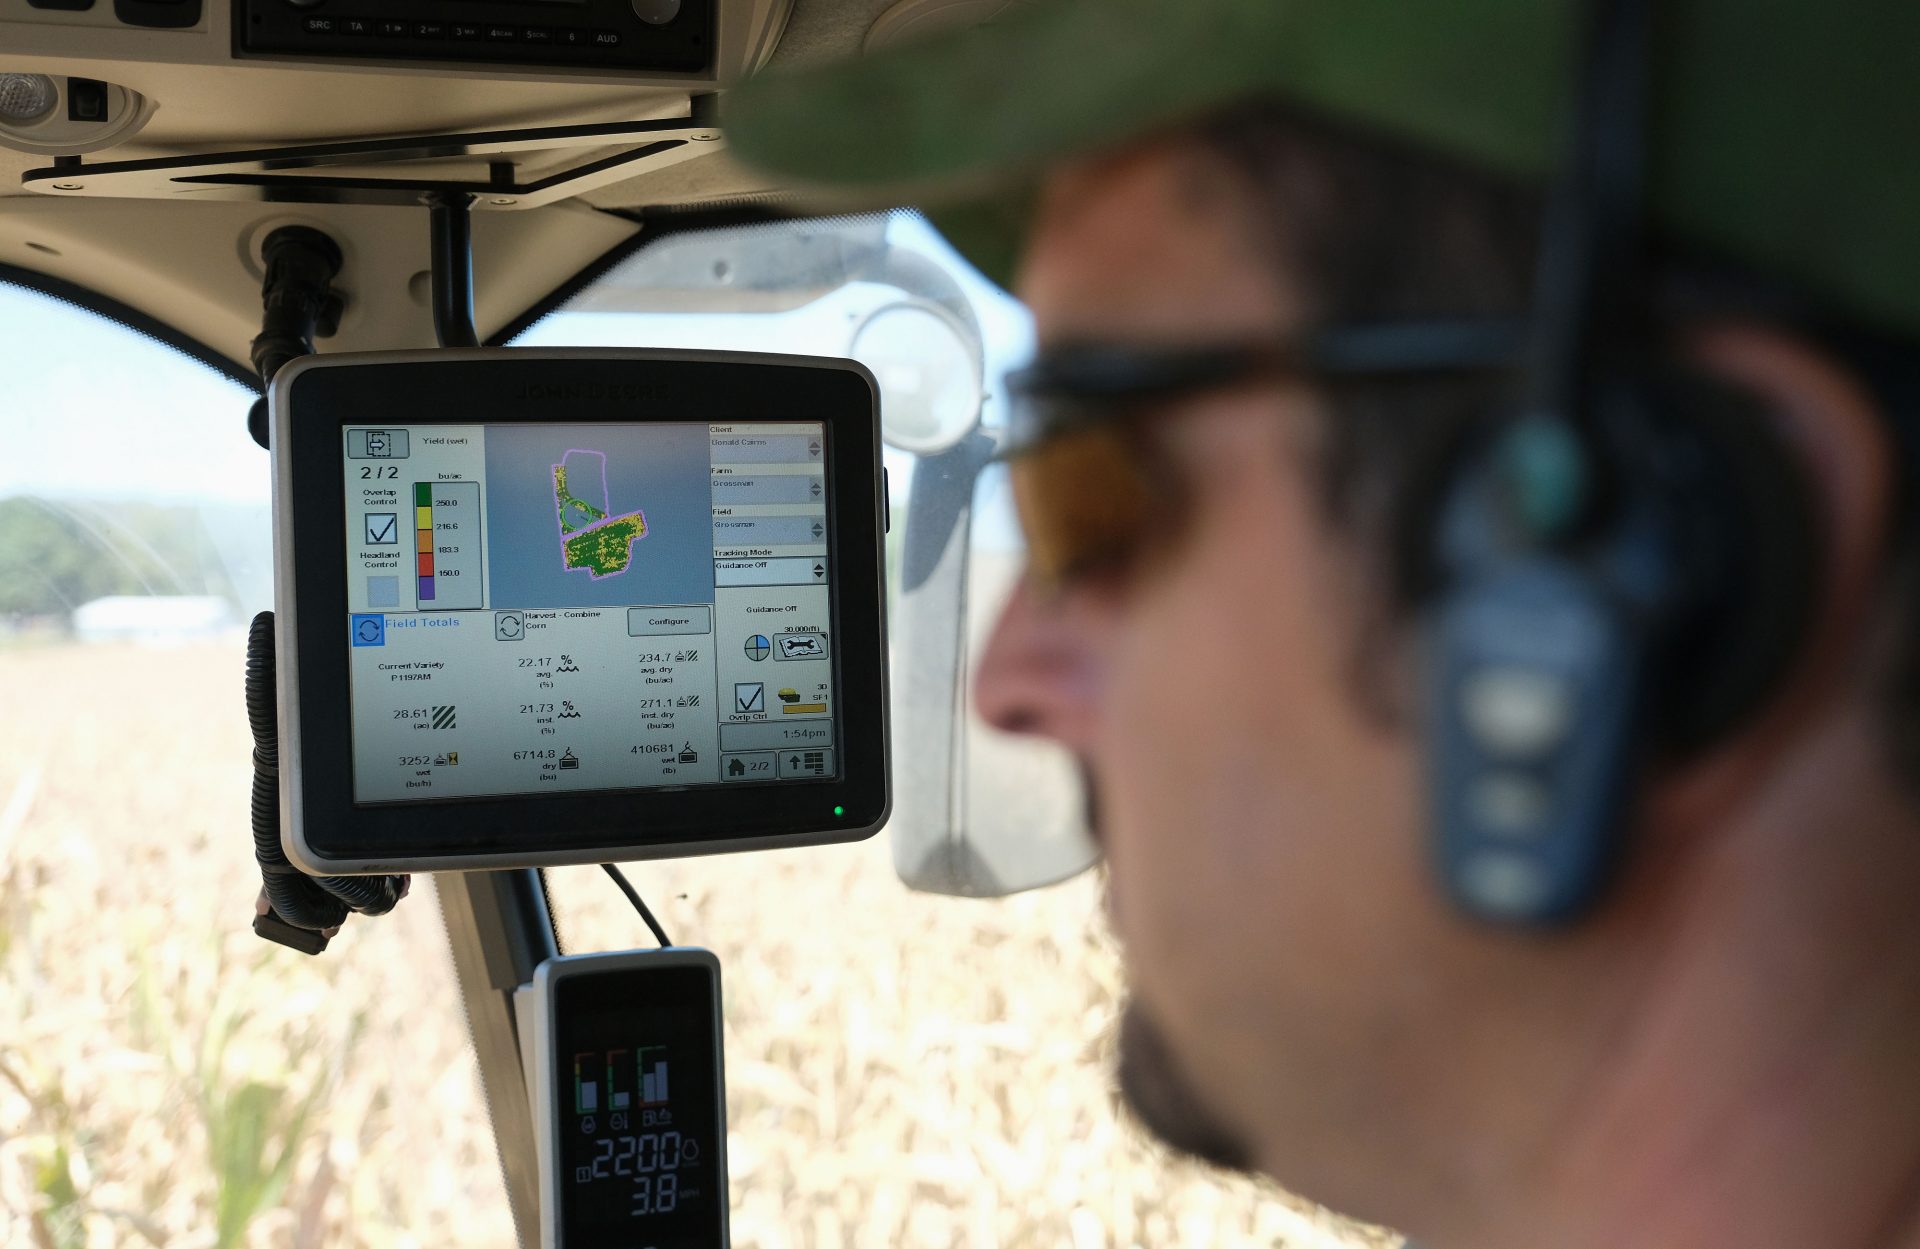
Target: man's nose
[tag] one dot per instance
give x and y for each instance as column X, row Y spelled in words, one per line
column 1039, row 673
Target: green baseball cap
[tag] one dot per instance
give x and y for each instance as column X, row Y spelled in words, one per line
column 1786, row 133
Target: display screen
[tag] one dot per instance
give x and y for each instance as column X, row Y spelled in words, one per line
column 638, row 1100
column 549, row 608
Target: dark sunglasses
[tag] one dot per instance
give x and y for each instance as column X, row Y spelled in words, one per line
column 1085, row 479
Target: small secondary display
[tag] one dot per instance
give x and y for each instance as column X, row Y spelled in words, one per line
column 537, row 608
column 639, row 1156
column 626, row 1079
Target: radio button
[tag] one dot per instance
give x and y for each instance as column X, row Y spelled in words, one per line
column 466, row 31
column 429, row 30
column 537, row 34
column 606, row 39
column 320, row 26
column 395, row 30
column 355, row 26
column 503, row 34
column 570, row 37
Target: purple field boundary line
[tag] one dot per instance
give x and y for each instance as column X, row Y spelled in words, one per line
column 560, row 519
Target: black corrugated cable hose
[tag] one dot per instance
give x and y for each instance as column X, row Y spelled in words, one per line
column 313, row 902
column 298, row 302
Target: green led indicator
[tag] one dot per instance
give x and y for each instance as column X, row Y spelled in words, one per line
column 839, row 810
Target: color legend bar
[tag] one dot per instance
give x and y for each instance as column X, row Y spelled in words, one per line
column 423, row 536
column 447, row 545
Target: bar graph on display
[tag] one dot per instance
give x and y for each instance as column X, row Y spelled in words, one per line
column 598, row 1079
column 617, row 1097
column 653, row 1081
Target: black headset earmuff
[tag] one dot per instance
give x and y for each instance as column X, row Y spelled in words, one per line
column 1626, row 566
column 1747, row 560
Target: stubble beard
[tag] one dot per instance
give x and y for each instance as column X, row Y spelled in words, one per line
column 1164, row 1102
column 1152, row 1085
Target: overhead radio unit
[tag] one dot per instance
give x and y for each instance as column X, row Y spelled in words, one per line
column 650, row 36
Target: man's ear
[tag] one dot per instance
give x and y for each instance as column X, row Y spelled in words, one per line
column 1830, row 423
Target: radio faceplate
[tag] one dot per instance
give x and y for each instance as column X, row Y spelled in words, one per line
column 673, row 36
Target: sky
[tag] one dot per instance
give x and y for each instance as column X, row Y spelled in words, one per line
column 94, row 410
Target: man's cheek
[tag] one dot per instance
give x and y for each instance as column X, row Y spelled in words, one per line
column 1179, row 784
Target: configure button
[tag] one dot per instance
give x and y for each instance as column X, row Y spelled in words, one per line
column 657, row 622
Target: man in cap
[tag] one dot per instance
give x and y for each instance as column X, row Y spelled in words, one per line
column 1620, row 952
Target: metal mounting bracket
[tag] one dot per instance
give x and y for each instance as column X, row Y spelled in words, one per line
column 288, row 175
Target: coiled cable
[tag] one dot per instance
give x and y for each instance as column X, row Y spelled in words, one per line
column 316, row 903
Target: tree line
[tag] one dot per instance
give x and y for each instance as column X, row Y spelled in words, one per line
column 56, row 555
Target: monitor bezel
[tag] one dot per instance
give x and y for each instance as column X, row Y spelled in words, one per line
column 325, row 832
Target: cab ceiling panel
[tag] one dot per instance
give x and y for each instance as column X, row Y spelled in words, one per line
column 234, row 75
column 178, row 81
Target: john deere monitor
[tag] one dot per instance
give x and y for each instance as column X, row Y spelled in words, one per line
column 543, row 607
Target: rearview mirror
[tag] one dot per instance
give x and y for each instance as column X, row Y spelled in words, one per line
column 928, row 365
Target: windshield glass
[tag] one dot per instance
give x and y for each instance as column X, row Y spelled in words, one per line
column 903, row 1069
column 166, row 1077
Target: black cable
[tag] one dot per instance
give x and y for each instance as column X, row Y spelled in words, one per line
column 298, row 305
column 297, row 298
column 298, row 901
column 633, row 896
column 450, row 237
column 553, row 912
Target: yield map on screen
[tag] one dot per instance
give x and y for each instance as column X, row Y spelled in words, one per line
column 600, row 516
column 550, row 608
column 591, row 540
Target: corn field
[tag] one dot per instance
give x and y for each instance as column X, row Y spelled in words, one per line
column 903, row 1071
